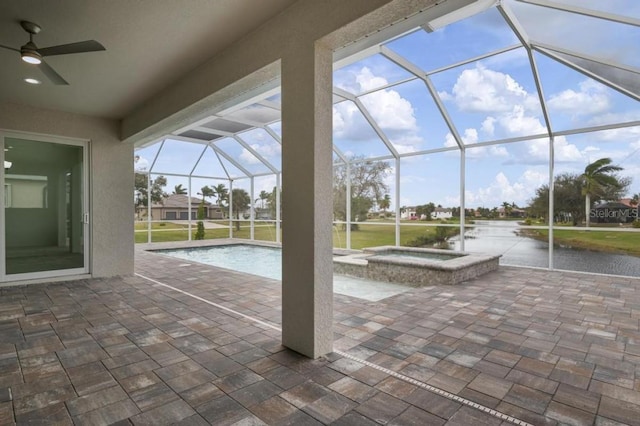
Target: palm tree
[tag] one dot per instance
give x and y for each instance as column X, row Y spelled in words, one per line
column 385, row 203
column 507, row 209
column 240, row 202
column 179, row 190
column 598, row 177
column 221, row 193
column 264, row 196
column 206, row 192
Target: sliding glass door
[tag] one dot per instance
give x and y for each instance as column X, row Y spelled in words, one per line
column 44, row 207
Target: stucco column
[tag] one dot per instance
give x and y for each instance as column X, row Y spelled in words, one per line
column 307, row 268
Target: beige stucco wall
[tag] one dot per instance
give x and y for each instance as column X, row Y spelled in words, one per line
column 111, row 185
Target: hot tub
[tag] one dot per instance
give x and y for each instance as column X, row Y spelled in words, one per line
column 415, row 266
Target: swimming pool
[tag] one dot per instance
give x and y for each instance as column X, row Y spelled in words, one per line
column 251, row 259
column 267, row 262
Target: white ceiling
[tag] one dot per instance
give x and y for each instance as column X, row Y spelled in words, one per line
column 150, row 44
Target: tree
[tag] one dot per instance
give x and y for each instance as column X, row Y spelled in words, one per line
column 156, row 189
column 179, row 190
column 635, row 200
column 221, row 193
column 264, row 196
column 426, row 210
column 206, row 192
column 200, row 231
column 272, row 201
column 508, row 208
column 240, row 201
column 567, row 202
column 385, row 203
column 599, row 181
column 367, row 185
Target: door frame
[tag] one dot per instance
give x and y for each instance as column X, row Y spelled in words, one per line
column 86, row 206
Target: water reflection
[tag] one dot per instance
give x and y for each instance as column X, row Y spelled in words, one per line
column 502, row 238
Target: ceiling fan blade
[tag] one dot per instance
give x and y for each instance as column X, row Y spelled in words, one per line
column 65, row 49
column 52, row 74
column 10, row 48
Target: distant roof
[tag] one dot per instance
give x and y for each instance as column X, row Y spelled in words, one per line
column 180, row 201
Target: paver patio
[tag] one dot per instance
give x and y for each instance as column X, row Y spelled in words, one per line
column 543, row 347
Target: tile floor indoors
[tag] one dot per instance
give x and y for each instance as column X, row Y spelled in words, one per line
column 515, row 346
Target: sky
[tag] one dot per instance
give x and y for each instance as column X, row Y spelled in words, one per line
column 487, row 100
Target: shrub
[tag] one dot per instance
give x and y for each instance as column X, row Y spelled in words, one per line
column 200, row 231
column 162, row 224
column 636, row 223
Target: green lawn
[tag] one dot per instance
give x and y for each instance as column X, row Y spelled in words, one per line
column 159, row 225
column 370, row 235
column 621, row 242
column 367, row 236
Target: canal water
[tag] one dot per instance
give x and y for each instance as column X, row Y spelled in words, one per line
column 502, row 238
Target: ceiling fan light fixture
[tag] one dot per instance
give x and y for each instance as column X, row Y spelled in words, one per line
column 31, row 56
column 29, row 53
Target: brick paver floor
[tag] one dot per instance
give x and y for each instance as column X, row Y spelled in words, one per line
column 544, row 347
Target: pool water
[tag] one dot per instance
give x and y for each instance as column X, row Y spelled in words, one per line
column 267, row 262
column 257, row 260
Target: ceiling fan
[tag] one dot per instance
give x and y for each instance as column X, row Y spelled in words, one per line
column 31, row 54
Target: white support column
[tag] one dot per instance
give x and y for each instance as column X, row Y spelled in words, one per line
column 252, row 211
column 307, row 268
column 398, row 201
column 347, row 199
column 278, row 218
column 149, row 207
column 551, row 198
column 463, row 173
column 189, row 207
column 231, row 224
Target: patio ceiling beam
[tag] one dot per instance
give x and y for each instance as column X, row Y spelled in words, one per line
column 367, row 116
column 585, row 12
column 269, row 104
column 588, row 73
column 247, row 122
column 418, row 72
column 518, row 30
column 358, row 56
column 192, row 126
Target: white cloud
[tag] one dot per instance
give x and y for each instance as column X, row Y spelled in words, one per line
column 483, row 90
column 248, row 158
column 591, row 98
column 488, row 125
column 394, row 114
column 502, row 189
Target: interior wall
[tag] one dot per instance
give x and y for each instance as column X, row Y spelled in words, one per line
column 111, row 179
